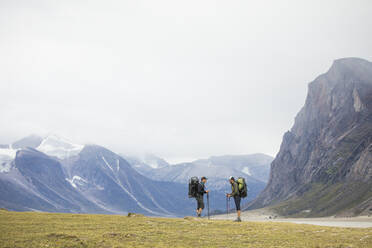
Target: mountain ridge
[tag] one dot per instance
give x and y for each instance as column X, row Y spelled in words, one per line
column 324, row 164
column 94, row 180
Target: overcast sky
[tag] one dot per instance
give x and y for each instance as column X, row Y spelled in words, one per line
column 180, row 79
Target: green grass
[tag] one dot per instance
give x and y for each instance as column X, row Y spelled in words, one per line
column 74, row 230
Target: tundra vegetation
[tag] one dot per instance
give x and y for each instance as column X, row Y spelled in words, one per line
column 31, row 229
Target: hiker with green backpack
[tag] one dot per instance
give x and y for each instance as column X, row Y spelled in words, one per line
column 238, row 191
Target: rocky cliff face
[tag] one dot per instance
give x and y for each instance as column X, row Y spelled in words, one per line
column 324, row 166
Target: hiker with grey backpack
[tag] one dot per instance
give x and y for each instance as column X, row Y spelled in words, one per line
column 238, row 191
column 197, row 190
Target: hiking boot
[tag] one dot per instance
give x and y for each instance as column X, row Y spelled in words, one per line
column 238, row 220
column 199, row 215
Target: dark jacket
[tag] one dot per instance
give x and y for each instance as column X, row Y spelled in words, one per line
column 234, row 189
column 201, row 189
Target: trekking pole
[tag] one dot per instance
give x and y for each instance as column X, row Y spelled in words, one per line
column 227, row 206
column 208, row 203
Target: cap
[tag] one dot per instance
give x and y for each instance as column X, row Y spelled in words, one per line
column 204, row 178
column 231, row 178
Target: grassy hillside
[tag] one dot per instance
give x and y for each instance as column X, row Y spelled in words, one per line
column 326, row 200
column 73, row 230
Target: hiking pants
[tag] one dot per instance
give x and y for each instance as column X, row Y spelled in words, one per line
column 237, row 202
column 200, row 202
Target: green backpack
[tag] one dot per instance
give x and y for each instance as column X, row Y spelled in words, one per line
column 242, row 186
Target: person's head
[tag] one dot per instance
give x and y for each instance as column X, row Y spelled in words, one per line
column 231, row 180
column 204, row 179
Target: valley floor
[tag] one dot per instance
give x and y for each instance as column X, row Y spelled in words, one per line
column 262, row 215
column 82, row 230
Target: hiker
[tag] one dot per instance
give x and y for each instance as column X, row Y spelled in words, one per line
column 200, row 196
column 235, row 193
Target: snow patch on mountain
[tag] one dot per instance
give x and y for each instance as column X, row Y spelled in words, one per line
column 76, row 180
column 153, row 164
column 108, row 165
column 59, row 147
column 246, row 171
column 152, row 161
column 7, row 155
column 5, row 166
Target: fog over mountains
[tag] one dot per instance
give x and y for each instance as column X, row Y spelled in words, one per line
column 54, row 174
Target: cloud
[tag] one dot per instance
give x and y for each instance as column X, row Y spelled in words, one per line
column 175, row 78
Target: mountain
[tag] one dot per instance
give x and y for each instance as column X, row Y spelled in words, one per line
column 59, row 147
column 60, row 176
column 35, row 181
column 324, row 166
column 253, row 165
column 255, row 168
column 32, row 141
column 154, row 161
column 145, row 163
column 7, row 155
column 107, row 179
column 54, row 174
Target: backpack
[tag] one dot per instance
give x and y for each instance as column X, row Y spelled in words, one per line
column 193, row 187
column 242, row 187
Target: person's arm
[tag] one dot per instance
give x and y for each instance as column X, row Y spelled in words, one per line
column 234, row 189
column 205, row 191
column 200, row 189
